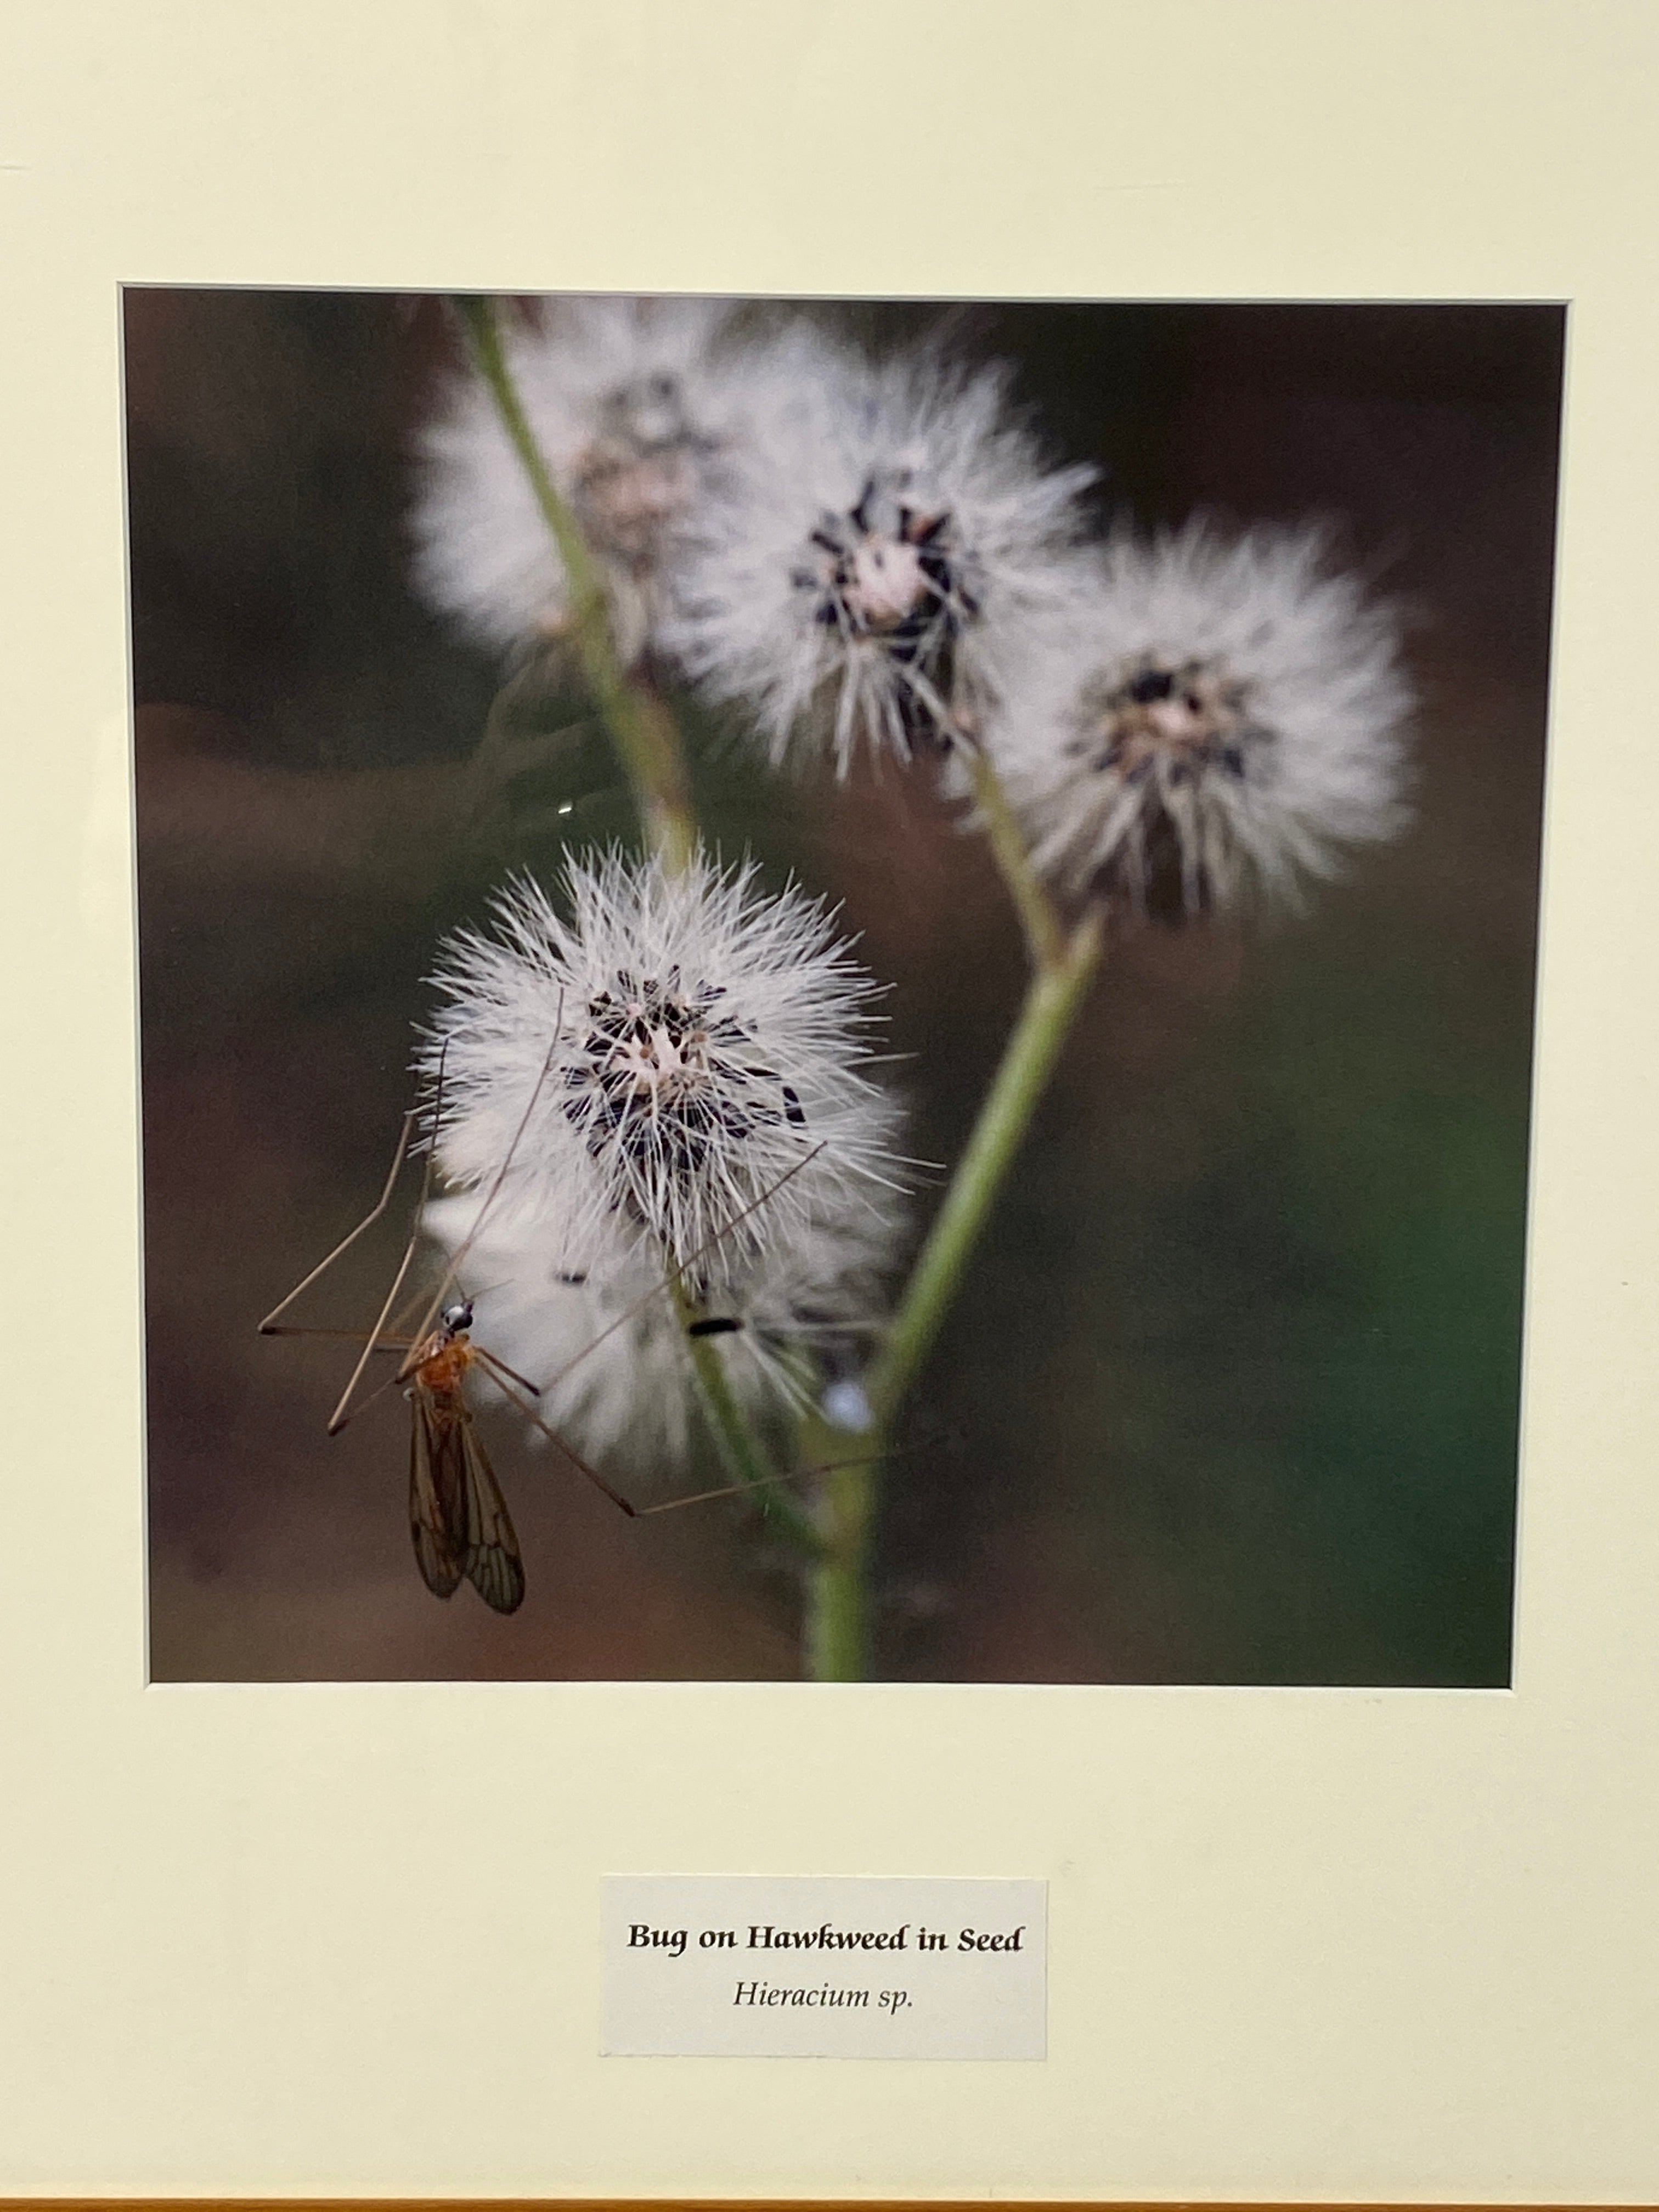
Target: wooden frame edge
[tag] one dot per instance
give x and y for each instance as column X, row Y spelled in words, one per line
column 205, row 2204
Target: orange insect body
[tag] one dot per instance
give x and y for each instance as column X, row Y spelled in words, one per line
column 440, row 1365
column 457, row 1514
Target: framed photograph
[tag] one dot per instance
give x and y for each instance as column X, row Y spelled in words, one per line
column 831, row 1182
column 1209, row 1371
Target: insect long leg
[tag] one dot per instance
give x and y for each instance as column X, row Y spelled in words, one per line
column 459, row 1256
column 499, row 1373
column 268, row 1326
column 343, row 1336
column 506, row 1382
column 764, row 1482
column 341, row 1415
column 271, row 1325
column 494, row 1359
column 677, row 1271
column 386, row 1344
column 504, row 1378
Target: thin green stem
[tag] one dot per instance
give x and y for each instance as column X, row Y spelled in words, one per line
column 1062, row 967
column 1062, row 964
column 838, row 1592
column 642, row 730
column 739, row 1448
column 1052, row 1000
column 1045, row 934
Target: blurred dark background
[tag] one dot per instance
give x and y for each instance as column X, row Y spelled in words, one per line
column 1232, row 1393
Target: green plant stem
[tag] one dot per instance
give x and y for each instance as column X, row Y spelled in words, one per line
column 838, row 1596
column 838, row 1625
column 739, row 1448
column 1045, row 934
column 1062, row 966
column 641, row 728
column 1052, row 1000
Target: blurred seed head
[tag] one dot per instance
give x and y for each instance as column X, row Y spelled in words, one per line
column 633, row 403
column 1215, row 714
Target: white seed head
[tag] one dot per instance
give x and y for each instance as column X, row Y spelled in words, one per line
column 688, row 1041
column 878, row 537
column 605, row 1342
column 632, row 402
column 1213, row 713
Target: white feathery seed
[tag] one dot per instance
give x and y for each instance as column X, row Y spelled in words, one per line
column 1214, row 714
column 604, row 1342
column 633, row 403
column 688, row 1043
column 885, row 530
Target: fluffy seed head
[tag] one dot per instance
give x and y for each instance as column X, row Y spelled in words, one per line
column 681, row 1044
column 886, row 529
column 632, row 402
column 1212, row 711
column 606, row 1344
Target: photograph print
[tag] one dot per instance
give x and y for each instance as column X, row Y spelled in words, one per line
column 836, row 991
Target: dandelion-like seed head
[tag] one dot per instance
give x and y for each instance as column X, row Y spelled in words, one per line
column 636, row 479
column 660, row 1071
column 591, row 1322
column 884, row 530
column 632, row 402
column 894, row 582
column 1215, row 712
column 688, row 1052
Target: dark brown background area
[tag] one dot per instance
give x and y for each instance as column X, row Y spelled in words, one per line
column 1232, row 1394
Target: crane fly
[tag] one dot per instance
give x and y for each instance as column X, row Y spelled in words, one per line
column 459, row 1517
column 457, row 1514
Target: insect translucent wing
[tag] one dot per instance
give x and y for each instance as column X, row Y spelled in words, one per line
column 437, row 1496
column 490, row 1560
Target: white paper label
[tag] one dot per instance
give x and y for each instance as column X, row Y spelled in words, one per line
column 793, row 1967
